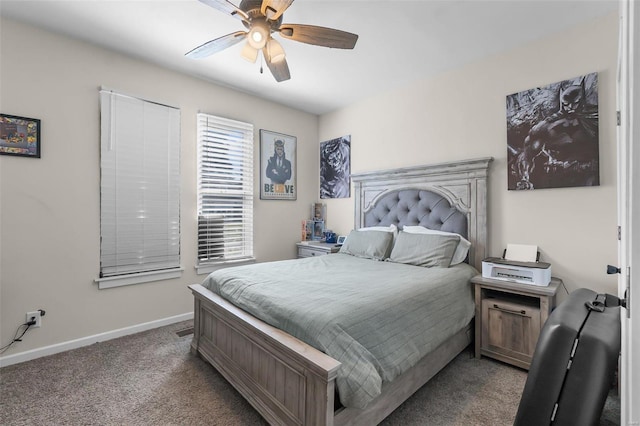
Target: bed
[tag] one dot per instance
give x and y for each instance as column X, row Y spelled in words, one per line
column 289, row 381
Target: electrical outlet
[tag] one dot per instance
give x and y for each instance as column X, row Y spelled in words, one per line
column 36, row 315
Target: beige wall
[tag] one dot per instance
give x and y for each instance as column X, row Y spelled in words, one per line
column 49, row 207
column 461, row 114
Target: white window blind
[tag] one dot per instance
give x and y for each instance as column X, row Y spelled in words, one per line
column 139, row 187
column 225, row 190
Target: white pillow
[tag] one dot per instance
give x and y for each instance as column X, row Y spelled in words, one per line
column 461, row 250
column 391, row 228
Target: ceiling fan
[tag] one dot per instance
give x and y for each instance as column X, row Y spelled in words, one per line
column 262, row 18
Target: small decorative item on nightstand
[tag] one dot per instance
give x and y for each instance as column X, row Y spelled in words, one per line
column 330, row 237
column 318, row 230
column 307, row 230
column 314, row 227
column 318, row 211
column 509, row 317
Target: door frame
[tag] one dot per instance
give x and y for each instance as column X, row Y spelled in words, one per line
column 628, row 100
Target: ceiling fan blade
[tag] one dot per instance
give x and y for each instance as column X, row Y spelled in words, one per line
column 319, row 36
column 279, row 69
column 226, row 7
column 273, row 9
column 214, row 46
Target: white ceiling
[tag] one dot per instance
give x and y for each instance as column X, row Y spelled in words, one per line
column 399, row 41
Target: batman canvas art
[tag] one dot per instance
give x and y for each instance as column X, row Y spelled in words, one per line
column 552, row 135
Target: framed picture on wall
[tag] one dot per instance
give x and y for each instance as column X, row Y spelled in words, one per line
column 19, row 136
column 335, row 168
column 277, row 166
column 552, row 135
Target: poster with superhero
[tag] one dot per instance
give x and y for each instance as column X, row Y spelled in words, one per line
column 277, row 166
column 335, row 168
column 552, row 135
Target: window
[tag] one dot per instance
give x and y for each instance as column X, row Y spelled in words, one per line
column 225, row 191
column 139, row 191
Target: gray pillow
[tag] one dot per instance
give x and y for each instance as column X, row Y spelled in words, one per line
column 424, row 249
column 368, row 244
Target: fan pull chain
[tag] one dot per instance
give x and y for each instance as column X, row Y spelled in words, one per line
column 261, row 70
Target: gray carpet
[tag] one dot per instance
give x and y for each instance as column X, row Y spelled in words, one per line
column 150, row 378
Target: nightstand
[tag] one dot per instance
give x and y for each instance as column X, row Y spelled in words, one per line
column 316, row 248
column 509, row 317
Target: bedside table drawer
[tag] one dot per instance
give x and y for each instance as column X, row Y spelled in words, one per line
column 309, row 252
column 316, row 249
column 510, row 328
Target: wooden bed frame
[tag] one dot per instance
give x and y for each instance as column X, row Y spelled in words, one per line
column 291, row 383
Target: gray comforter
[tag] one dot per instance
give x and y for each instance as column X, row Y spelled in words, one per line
column 377, row 318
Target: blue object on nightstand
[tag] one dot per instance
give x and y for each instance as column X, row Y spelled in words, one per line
column 330, row 237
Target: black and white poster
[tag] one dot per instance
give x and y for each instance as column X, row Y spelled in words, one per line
column 552, row 135
column 335, row 168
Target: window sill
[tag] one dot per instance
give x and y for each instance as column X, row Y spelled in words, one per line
column 207, row 268
column 143, row 277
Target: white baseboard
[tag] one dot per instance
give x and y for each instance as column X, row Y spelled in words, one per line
column 90, row 340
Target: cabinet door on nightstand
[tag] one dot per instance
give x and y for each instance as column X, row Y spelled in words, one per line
column 510, row 329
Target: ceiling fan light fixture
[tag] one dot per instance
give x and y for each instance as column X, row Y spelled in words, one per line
column 249, row 53
column 258, row 35
column 275, row 51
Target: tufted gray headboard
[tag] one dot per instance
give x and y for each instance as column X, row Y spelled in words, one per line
column 448, row 196
column 416, row 207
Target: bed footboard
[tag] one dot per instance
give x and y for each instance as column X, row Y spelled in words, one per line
column 395, row 393
column 287, row 381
